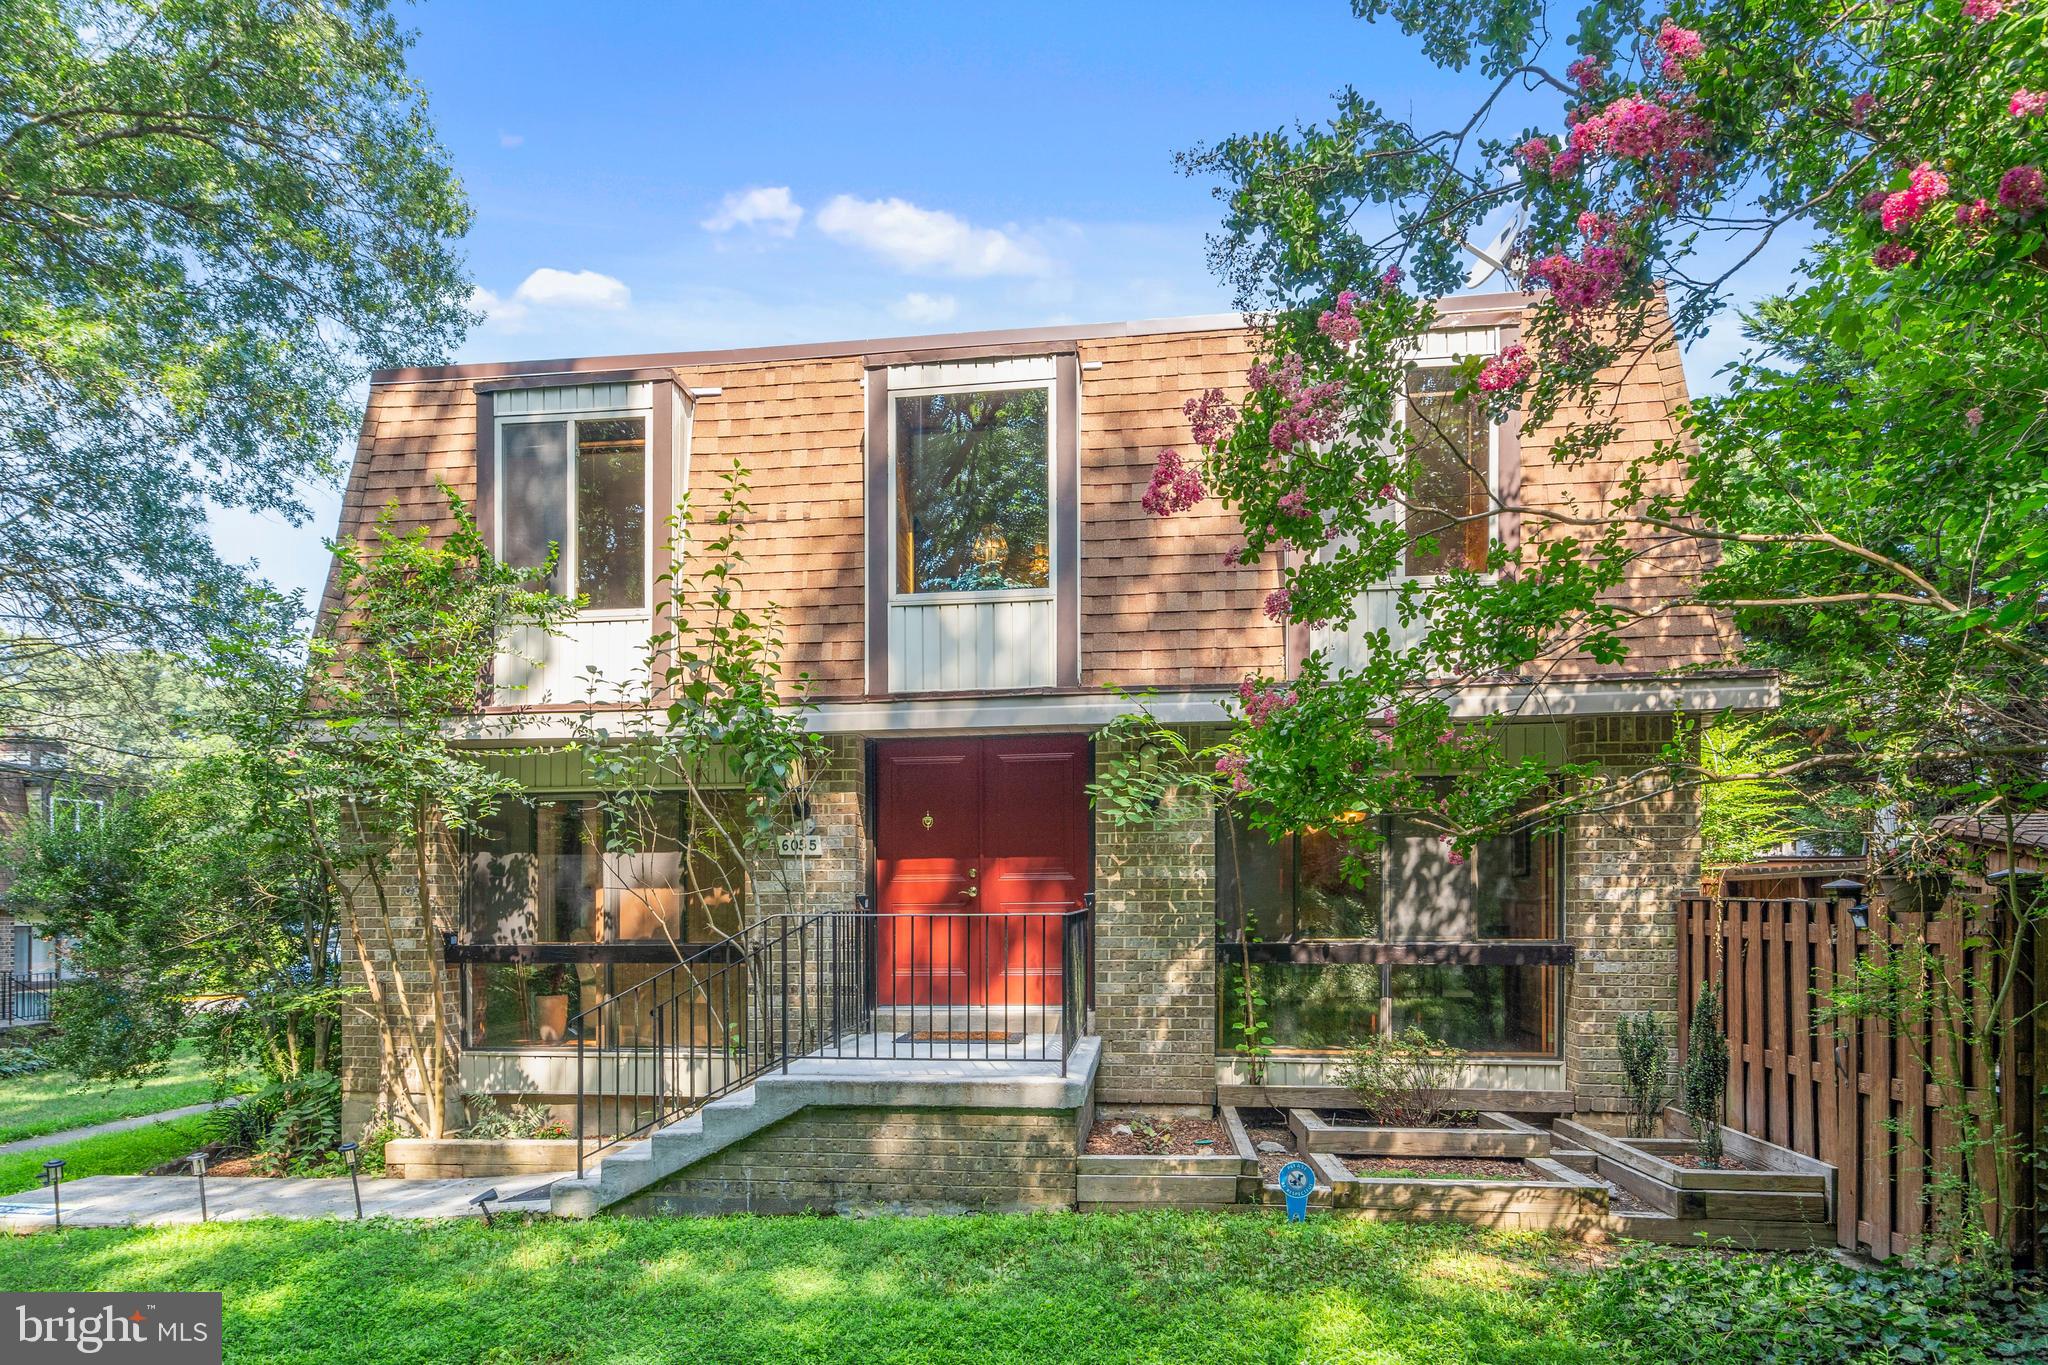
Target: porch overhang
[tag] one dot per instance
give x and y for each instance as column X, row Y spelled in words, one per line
column 1018, row 713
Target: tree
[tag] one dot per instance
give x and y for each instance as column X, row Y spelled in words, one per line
column 407, row 659
column 1866, row 497
column 214, row 217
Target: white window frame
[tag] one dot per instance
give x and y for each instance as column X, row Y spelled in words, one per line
column 1492, row 475
column 570, row 549
column 79, row 805
column 945, row 379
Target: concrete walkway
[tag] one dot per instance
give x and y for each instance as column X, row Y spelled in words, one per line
column 119, row 1201
column 114, row 1126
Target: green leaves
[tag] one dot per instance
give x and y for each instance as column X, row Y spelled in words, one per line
column 215, row 216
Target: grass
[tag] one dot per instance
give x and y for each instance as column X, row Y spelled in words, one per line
column 123, row 1153
column 1155, row 1286
column 52, row 1101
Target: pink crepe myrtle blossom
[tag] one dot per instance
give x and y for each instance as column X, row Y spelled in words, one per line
column 1390, row 280
column 1535, row 153
column 1891, row 255
column 1861, row 108
column 1386, row 492
column 1294, row 504
column 1595, row 226
column 1209, row 417
column 1872, row 202
column 1387, row 716
column 1923, row 187
column 1231, row 766
column 1451, row 855
column 2020, row 191
column 2027, row 103
column 1311, row 410
column 1340, row 322
column 1261, row 700
column 1278, row 603
column 1506, row 370
column 1679, row 46
column 1984, row 11
column 1975, row 214
column 1587, row 72
column 1583, row 284
column 1974, row 418
column 1174, row 487
column 1233, row 558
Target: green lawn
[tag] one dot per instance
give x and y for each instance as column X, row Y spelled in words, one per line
column 1155, row 1287
column 1158, row 1287
column 52, row 1101
column 123, row 1153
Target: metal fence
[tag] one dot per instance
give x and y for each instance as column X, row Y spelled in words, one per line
column 854, row 986
column 26, row 999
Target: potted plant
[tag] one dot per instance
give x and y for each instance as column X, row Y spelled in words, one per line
column 551, row 1004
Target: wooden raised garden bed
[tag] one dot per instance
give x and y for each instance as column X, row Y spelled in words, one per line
column 1540, row 1194
column 1186, row 1175
column 1765, row 1197
column 1490, row 1135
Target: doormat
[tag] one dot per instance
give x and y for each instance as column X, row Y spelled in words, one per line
column 964, row 1035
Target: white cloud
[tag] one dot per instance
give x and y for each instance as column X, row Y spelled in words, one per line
column 511, row 139
column 916, row 239
column 768, row 208
column 921, row 307
column 553, row 290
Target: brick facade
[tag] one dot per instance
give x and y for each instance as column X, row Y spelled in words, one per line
column 884, row 1160
column 1624, row 873
column 1155, row 954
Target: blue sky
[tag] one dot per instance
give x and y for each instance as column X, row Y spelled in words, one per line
column 655, row 177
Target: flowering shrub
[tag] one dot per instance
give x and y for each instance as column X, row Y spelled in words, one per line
column 1507, row 370
column 1174, row 487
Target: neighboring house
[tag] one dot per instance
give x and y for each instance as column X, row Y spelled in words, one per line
column 36, row 783
column 960, row 660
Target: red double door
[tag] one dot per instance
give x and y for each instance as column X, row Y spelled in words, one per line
column 981, row 849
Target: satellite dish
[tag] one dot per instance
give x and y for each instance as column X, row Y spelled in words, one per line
column 1492, row 260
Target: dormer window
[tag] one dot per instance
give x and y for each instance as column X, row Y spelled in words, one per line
column 973, row 491
column 580, row 483
column 1452, row 447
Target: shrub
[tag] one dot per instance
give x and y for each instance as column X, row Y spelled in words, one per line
column 490, row 1121
column 1645, row 1069
column 1403, row 1080
column 1706, row 1072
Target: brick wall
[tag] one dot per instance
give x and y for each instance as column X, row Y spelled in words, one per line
column 372, row 1063
column 382, row 938
column 884, row 1160
column 1624, row 874
column 1155, row 954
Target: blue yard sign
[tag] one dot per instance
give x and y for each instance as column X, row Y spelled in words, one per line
column 1297, row 1178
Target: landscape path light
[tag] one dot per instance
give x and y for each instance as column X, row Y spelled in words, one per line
column 198, row 1160
column 53, row 1178
column 348, row 1154
column 483, row 1201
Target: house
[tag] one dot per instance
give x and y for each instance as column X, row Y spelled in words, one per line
column 960, row 663
column 36, row 784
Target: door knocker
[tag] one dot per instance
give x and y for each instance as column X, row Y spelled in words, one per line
column 927, row 819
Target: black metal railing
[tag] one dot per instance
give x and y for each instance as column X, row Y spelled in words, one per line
column 852, row 985
column 26, row 999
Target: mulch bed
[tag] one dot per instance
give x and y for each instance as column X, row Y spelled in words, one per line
column 1441, row 1168
column 1691, row 1161
column 1268, row 1125
column 1104, row 1140
column 1620, row 1200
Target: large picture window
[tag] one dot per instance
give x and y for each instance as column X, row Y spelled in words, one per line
column 579, row 902
column 1465, row 950
column 578, row 484
column 973, row 491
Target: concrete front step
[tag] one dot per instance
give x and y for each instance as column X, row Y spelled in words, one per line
column 771, row 1098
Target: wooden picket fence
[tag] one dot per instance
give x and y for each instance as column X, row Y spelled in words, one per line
column 1863, row 1095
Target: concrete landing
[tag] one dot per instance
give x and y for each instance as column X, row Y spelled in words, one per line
column 119, row 1201
column 834, row 1082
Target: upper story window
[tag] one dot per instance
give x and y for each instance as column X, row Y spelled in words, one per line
column 580, row 483
column 1448, row 525
column 973, row 476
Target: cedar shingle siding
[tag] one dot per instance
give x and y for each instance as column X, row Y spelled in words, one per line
column 1159, row 608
